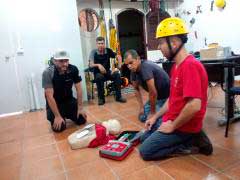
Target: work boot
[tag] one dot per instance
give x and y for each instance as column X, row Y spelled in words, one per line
column 203, row 143
column 101, row 101
column 121, row 100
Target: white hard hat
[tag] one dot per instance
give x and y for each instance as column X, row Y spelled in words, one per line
column 61, row 54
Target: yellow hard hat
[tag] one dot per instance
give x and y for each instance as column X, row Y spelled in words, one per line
column 220, row 3
column 170, row 27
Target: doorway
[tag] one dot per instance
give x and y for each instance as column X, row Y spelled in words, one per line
column 130, row 24
column 131, row 34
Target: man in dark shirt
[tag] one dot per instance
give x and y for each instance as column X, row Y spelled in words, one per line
column 57, row 80
column 99, row 59
column 152, row 78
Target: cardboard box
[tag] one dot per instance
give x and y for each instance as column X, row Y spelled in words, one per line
column 215, row 53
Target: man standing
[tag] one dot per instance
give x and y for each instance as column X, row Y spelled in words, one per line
column 152, row 78
column 99, row 59
column 57, row 81
column 184, row 111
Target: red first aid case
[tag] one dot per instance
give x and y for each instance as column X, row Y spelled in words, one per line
column 120, row 148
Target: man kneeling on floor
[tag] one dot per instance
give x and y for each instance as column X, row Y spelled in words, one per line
column 151, row 78
column 57, row 80
column 181, row 129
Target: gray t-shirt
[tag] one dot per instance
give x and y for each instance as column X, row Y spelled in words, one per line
column 47, row 77
column 61, row 83
column 149, row 70
column 52, row 78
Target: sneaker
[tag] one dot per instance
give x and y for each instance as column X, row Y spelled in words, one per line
column 142, row 117
column 121, row 100
column 185, row 151
column 203, row 143
column 101, row 102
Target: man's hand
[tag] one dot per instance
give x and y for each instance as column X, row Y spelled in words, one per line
column 149, row 123
column 151, row 115
column 115, row 70
column 83, row 113
column 166, row 127
column 119, row 58
column 102, row 69
column 58, row 120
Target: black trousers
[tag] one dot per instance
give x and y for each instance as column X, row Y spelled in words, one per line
column 68, row 110
column 101, row 78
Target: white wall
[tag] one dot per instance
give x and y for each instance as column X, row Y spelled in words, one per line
column 221, row 26
column 39, row 28
column 10, row 93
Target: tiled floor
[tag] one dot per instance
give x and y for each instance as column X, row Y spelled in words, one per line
column 30, row 150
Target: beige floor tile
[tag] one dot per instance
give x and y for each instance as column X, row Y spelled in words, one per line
column 39, row 153
column 36, row 130
column 10, row 172
column 132, row 163
column 33, row 142
column 148, row 173
column 61, row 176
column 42, row 168
column 187, row 168
column 220, row 159
column 11, row 160
column 64, row 147
column 234, row 171
column 11, row 134
column 91, row 171
column 10, row 148
column 80, row 157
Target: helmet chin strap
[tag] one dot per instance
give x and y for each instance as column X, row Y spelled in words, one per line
column 173, row 54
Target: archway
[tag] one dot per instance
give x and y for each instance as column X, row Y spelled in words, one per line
column 131, row 33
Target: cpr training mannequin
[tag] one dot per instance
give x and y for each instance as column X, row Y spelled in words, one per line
column 93, row 135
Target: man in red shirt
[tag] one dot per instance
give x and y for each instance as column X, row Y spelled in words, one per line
column 183, row 113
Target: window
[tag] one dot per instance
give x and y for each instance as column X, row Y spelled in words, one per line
column 153, row 19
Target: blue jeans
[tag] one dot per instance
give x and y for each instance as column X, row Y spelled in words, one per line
column 147, row 109
column 157, row 145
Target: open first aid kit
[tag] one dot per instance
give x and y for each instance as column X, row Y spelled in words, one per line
column 120, row 148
